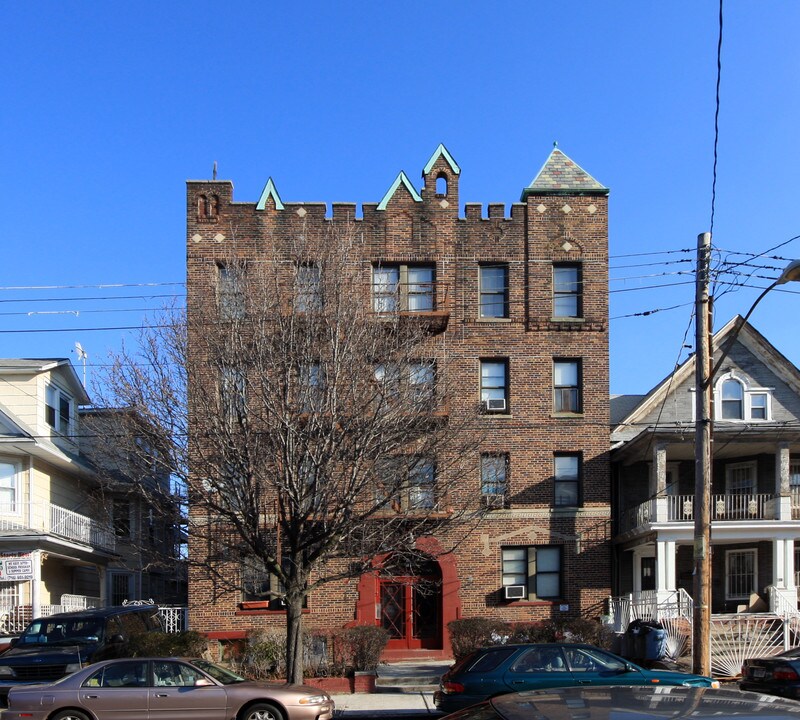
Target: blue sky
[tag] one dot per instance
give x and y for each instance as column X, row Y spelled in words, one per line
column 107, row 108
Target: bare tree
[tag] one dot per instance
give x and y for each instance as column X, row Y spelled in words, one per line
column 319, row 432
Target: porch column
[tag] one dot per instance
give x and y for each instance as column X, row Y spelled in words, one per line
column 658, row 482
column 783, row 564
column 782, row 486
column 665, row 566
column 102, row 579
column 36, row 584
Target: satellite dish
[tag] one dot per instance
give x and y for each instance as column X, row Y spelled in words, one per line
column 82, row 354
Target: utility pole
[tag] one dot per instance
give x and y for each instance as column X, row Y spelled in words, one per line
column 701, row 640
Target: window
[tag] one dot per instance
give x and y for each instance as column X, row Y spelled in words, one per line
column 740, row 478
column 312, row 387
column 8, row 487
column 174, row 674
column 121, row 517
column 567, row 475
column 422, row 484
column 494, row 471
column 59, row 409
column 758, row 406
column 121, row 588
column 741, row 573
column 567, row 386
column 232, row 394
column 493, row 291
column 308, row 290
column 732, row 400
column 494, row 385
column 567, row 291
column 255, row 580
column 537, row 569
column 422, row 381
column 230, row 293
column 120, row 675
column 409, row 288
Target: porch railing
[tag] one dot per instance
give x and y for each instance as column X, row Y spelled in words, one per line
column 45, row 517
column 680, row 508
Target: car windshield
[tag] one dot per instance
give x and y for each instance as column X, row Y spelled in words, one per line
column 51, row 631
column 220, row 674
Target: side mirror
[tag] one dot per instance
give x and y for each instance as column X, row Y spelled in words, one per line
column 115, row 639
column 202, row 682
column 13, row 642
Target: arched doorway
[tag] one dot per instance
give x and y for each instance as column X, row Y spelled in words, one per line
column 409, row 602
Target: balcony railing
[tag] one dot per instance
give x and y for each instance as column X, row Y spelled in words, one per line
column 680, row 508
column 52, row 519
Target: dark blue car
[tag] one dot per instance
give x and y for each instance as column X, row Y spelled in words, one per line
column 503, row 669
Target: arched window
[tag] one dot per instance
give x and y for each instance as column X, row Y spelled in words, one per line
column 441, row 185
column 732, row 397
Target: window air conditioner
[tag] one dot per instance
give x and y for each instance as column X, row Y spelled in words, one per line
column 496, row 404
column 515, row 592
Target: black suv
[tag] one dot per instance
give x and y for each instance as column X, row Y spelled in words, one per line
column 54, row 646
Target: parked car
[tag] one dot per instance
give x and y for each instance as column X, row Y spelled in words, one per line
column 178, row 688
column 503, row 669
column 775, row 675
column 625, row 701
column 51, row 647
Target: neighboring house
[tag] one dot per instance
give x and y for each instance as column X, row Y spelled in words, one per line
column 522, row 307
column 48, row 512
column 58, row 548
column 143, row 511
column 755, row 491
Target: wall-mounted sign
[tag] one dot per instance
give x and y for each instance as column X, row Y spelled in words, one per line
column 16, row 568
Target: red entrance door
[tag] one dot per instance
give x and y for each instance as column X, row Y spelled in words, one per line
column 411, row 613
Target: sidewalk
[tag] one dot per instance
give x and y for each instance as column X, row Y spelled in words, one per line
column 366, row 705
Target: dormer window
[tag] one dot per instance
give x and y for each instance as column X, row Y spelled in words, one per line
column 58, row 409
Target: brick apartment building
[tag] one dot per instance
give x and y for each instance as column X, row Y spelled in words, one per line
column 521, row 303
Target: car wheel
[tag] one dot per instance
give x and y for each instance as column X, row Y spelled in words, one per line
column 262, row 711
column 70, row 715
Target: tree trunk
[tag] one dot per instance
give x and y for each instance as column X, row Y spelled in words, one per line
column 294, row 638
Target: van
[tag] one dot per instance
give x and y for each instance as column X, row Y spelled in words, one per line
column 57, row 645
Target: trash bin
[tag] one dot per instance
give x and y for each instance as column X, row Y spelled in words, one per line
column 644, row 640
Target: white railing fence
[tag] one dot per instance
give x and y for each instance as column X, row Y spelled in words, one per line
column 48, row 518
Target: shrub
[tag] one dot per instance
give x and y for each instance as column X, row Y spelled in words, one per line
column 263, row 656
column 469, row 634
column 364, row 645
column 158, row 644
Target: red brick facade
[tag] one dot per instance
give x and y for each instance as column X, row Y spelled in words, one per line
column 554, row 225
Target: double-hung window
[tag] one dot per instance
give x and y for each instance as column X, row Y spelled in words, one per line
column 232, row 394
column 59, row 409
column 8, row 486
column 409, row 288
column 732, row 400
column 422, row 484
column 255, row 579
column 535, row 570
column 567, row 291
column 308, row 288
column 312, row 387
column 494, row 385
column 567, row 479
column 422, row 381
column 230, row 292
column 567, row 386
column 493, row 291
column 494, row 472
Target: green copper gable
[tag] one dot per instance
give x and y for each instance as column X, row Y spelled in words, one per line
column 401, row 178
column 561, row 176
column 441, row 151
column 269, row 191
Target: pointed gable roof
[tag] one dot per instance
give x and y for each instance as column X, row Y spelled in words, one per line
column 441, row 151
column 747, row 336
column 269, row 191
column 561, row 176
column 401, row 179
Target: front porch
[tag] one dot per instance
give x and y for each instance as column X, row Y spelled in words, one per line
column 733, row 636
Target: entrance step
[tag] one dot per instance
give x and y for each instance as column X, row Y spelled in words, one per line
column 410, row 677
